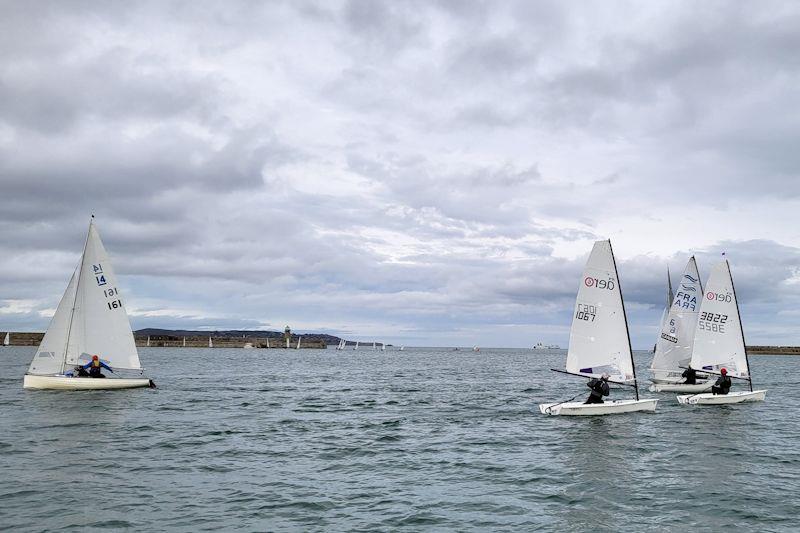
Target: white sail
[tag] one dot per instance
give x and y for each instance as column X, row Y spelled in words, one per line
column 676, row 338
column 184, row 342
column 670, row 298
column 49, row 358
column 7, row 339
column 100, row 324
column 148, row 341
column 210, row 342
column 356, row 347
column 598, row 339
column 298, row 342
column 90, row 319
column 718, row 338
column 267, row 342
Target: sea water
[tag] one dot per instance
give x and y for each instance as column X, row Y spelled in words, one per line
column 418, row 440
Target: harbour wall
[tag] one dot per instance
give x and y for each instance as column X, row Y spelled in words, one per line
column 168, row 341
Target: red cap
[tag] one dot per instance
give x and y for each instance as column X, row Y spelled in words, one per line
column 723, row 371
column 95, row 358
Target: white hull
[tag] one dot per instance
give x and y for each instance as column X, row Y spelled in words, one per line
column 720, row 399
column 72, row 383
column 680, row 387
column 608, row 408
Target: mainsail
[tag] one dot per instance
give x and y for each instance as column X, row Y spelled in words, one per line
column 599, row 340
column 676, row 338
column 90, row 319
column 718, row 339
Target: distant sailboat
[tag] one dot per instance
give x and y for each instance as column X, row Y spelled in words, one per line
column 210, row 342
column 184, row 342
column 476, row 349
column 90, row 320
column 719, row 341
column 298, row 342
column 598, row 339
column 267, row 342
column 383, row 347
column 356, row 346
column 148, row 341
column 402, row 348
column 7, row 339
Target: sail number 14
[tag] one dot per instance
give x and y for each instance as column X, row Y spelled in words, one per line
column 111, row 292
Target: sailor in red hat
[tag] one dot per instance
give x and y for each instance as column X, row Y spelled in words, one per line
column 723, row 384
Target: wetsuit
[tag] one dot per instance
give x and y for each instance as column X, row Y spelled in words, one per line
column 95, row 367
column 599, row 389
column 722, row 386
column 691, row 376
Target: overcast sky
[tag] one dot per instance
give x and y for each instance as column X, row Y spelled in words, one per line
column 421, row 173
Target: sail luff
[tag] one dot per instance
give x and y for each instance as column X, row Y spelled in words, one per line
column 741, row 328
column 625, row 316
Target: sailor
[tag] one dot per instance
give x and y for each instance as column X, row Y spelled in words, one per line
column 691, row 376
column 81, row 372
column 95, row 366
column 723, row 384
column 599, row 389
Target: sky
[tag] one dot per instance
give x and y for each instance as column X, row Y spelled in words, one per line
column 418, row 173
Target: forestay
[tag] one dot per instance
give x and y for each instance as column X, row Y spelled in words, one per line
column 718, row 338
column 676, row 338
column 598, row 339
column 90, row 319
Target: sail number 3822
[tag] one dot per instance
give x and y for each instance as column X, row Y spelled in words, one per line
column 712, row 322
column 586, row 312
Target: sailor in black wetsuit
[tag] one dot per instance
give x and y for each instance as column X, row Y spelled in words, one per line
column 691, row 376
column 723, row 384
column 599, row 389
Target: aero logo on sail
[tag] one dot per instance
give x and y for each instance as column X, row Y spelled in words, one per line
column 599, row 283
column 719, row 297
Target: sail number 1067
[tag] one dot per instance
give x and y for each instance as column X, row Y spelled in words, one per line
column 586, row 312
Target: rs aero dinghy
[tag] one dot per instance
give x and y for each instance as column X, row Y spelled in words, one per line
column 90, row 319
column 599, row 342
column 719, row 341
column 676, row 338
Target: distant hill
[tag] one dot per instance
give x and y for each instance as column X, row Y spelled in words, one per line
column 249, row 333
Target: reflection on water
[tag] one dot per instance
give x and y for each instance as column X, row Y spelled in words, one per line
column 361, row 440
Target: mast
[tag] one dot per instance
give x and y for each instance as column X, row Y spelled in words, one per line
column 741, row 329
column 75, row 299
column 670, row 294
column 625, row 316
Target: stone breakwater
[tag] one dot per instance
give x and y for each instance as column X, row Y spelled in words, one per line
column 169, row 341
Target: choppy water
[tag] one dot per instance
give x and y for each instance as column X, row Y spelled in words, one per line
column 417, row 440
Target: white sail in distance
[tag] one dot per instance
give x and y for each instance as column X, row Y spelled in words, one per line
column 676, row 338
column 598, row 339
column 718, row 338
column 7, row 339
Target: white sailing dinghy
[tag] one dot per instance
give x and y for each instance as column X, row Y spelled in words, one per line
column 599, row 341
column 90, row 320
column 719, row 341
column 7, row 339
column 676, row 338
